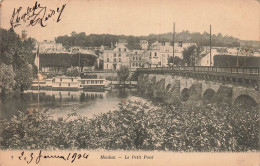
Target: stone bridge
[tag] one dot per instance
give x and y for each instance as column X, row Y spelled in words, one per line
column 228, row 85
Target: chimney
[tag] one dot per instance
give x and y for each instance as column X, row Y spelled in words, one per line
column 112, row 45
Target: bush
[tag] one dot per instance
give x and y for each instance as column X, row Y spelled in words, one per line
column 137, row 125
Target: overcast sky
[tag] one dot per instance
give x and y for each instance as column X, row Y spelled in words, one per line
column 239, row 18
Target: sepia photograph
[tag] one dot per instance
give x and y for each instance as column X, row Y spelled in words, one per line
column 141, row 82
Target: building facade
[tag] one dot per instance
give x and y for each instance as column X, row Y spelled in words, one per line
column 50, row 47
column 136, row 59
column 144, row 44
column 117, row 57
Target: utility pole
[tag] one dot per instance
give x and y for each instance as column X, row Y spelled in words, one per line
column 79, row 64
column 38, row 74
column 210, row 45
column 173, row 38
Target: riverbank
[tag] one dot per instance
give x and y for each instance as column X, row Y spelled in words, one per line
column 136, row 125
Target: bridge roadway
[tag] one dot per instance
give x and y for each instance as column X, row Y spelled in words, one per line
column 251, row 74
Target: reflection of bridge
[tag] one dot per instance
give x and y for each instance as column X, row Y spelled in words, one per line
column 229, row 84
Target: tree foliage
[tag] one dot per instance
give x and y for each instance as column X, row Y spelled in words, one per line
column 123, row 73
column 135, row 125
column 7, row 81
column 96, row 40
column 191, row 55
column 16, row 56
column 24, row 77
column 175, row 61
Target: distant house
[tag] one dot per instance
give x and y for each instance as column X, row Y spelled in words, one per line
column 136, row 59
column 205, row 57
column 159, row 53
column 117, row 57
column 205, row 60
column 50, row 47
column 144, row 44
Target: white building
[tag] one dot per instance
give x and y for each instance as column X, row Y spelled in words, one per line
column 158, row 53
column 136, row 59
column 50, row 47
column 117, row 57
column 144, row 44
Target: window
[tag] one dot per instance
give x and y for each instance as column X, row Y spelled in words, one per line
column 119, row 59
column 155, row 54
column 59, row 84
column 150, row 53
column 107, row 59
column 133, row 58
column 69, row 84
column 92, row 82
column 125, row 49
column 114, row 59
column 101, row 82
column 114, row 54
column 60, row 79
column 119, row 55
column 72, row 79
column 140, row 64
column 119, row 49
column 133, row 65
column 136, row 64
column 107, row 66
column 82, row 82
column 96, row 82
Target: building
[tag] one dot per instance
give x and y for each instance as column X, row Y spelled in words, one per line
column 158, row 53
column 117, row 57
column 144, row 44
column 136, row 59
column 24, row 35
column 50, row 47
column 205, row 55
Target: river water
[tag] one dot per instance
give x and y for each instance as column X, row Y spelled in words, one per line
column 61, row 103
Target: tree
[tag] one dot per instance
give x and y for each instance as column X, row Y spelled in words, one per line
column 7, row 81
column 24, row 77
column 16, row 60
column 191, row 55
column 123, row 73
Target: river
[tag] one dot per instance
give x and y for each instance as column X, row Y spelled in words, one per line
column 61, row 103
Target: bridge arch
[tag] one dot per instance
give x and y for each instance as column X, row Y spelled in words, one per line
column 208, row 94
column 247, row 94
column 168, row 87
column 245, row 100
column 185, row 94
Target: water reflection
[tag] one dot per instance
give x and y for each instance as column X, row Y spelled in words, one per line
column 62, row 102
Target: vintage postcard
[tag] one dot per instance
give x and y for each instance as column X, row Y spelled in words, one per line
column 141, row 82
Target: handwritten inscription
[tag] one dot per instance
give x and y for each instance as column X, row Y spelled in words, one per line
column 37, row 14
column 31, row 157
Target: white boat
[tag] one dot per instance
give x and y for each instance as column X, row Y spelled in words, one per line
column 92, row 83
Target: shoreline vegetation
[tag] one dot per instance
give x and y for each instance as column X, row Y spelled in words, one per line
column 136, row 125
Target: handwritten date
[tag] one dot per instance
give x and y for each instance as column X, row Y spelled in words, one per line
column 37, row 14
column 37, row 157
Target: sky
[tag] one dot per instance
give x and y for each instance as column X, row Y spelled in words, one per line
column 238, row 18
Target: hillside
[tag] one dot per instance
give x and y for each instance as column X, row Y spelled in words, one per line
column 96, row 40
